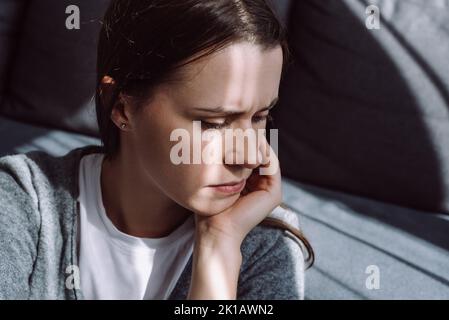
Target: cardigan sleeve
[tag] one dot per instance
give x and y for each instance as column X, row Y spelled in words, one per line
column 18, row 238
column 273, row 266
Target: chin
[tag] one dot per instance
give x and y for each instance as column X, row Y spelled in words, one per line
column 210, row 205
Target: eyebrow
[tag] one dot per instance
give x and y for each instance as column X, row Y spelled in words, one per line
column 221, row 110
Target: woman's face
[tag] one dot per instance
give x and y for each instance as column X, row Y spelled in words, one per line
column 241, row 78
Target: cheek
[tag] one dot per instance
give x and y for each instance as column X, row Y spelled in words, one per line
column 152, row 139
column 184, row 183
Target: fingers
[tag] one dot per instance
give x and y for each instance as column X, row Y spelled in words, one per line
column 270, row 162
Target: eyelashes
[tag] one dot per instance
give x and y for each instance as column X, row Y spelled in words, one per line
column 212, row 125
column 220, row 125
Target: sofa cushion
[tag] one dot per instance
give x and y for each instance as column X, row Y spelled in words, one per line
column 358, row 241
column 11, row 12
column 23, row 137
column 53, row 73
column 282, row 7
column 366, row 111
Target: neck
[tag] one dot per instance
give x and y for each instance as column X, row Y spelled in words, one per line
column 134, row 204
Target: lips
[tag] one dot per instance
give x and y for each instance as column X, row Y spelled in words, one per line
column 230, row 187
column 228, row 184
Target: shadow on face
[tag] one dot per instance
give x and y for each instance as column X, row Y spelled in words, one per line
column 230, row 89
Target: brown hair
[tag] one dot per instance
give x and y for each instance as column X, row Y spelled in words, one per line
column 295, row 232
column 143, row 42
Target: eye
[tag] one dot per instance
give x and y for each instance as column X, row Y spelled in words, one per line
column 257, row 119
column 214, row 125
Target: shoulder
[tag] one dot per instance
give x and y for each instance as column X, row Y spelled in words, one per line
column 262, row 239
column 39, row 169
column 273, row 262
column 21, row 179
column 31, row 180
column 277, row 243
column 19, row 226
column 36, row 195
column 26, row 168
column 23, row 176
column 17, row 192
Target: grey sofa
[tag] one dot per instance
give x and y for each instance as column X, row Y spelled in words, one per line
column 363, row 123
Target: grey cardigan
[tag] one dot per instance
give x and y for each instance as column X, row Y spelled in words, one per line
column 38, row 237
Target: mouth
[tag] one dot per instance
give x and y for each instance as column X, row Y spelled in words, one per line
column 229, row 187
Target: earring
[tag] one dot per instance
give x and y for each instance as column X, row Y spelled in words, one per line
column 123, row 125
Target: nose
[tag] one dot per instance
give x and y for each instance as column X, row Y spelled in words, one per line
column 243, row 149
column 251, row 166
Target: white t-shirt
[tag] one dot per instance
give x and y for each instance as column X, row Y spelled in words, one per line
column 115, row 265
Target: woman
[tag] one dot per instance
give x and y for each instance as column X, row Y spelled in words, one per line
column 124, row 221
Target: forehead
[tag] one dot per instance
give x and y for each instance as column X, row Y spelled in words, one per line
column 241, row 75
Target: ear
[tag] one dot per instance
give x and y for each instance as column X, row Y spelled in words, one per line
column 118, row 114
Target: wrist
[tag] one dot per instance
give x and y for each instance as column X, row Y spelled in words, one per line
column 216, row 268
column 217, row 237
column 223, row 249
column 220, row 248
